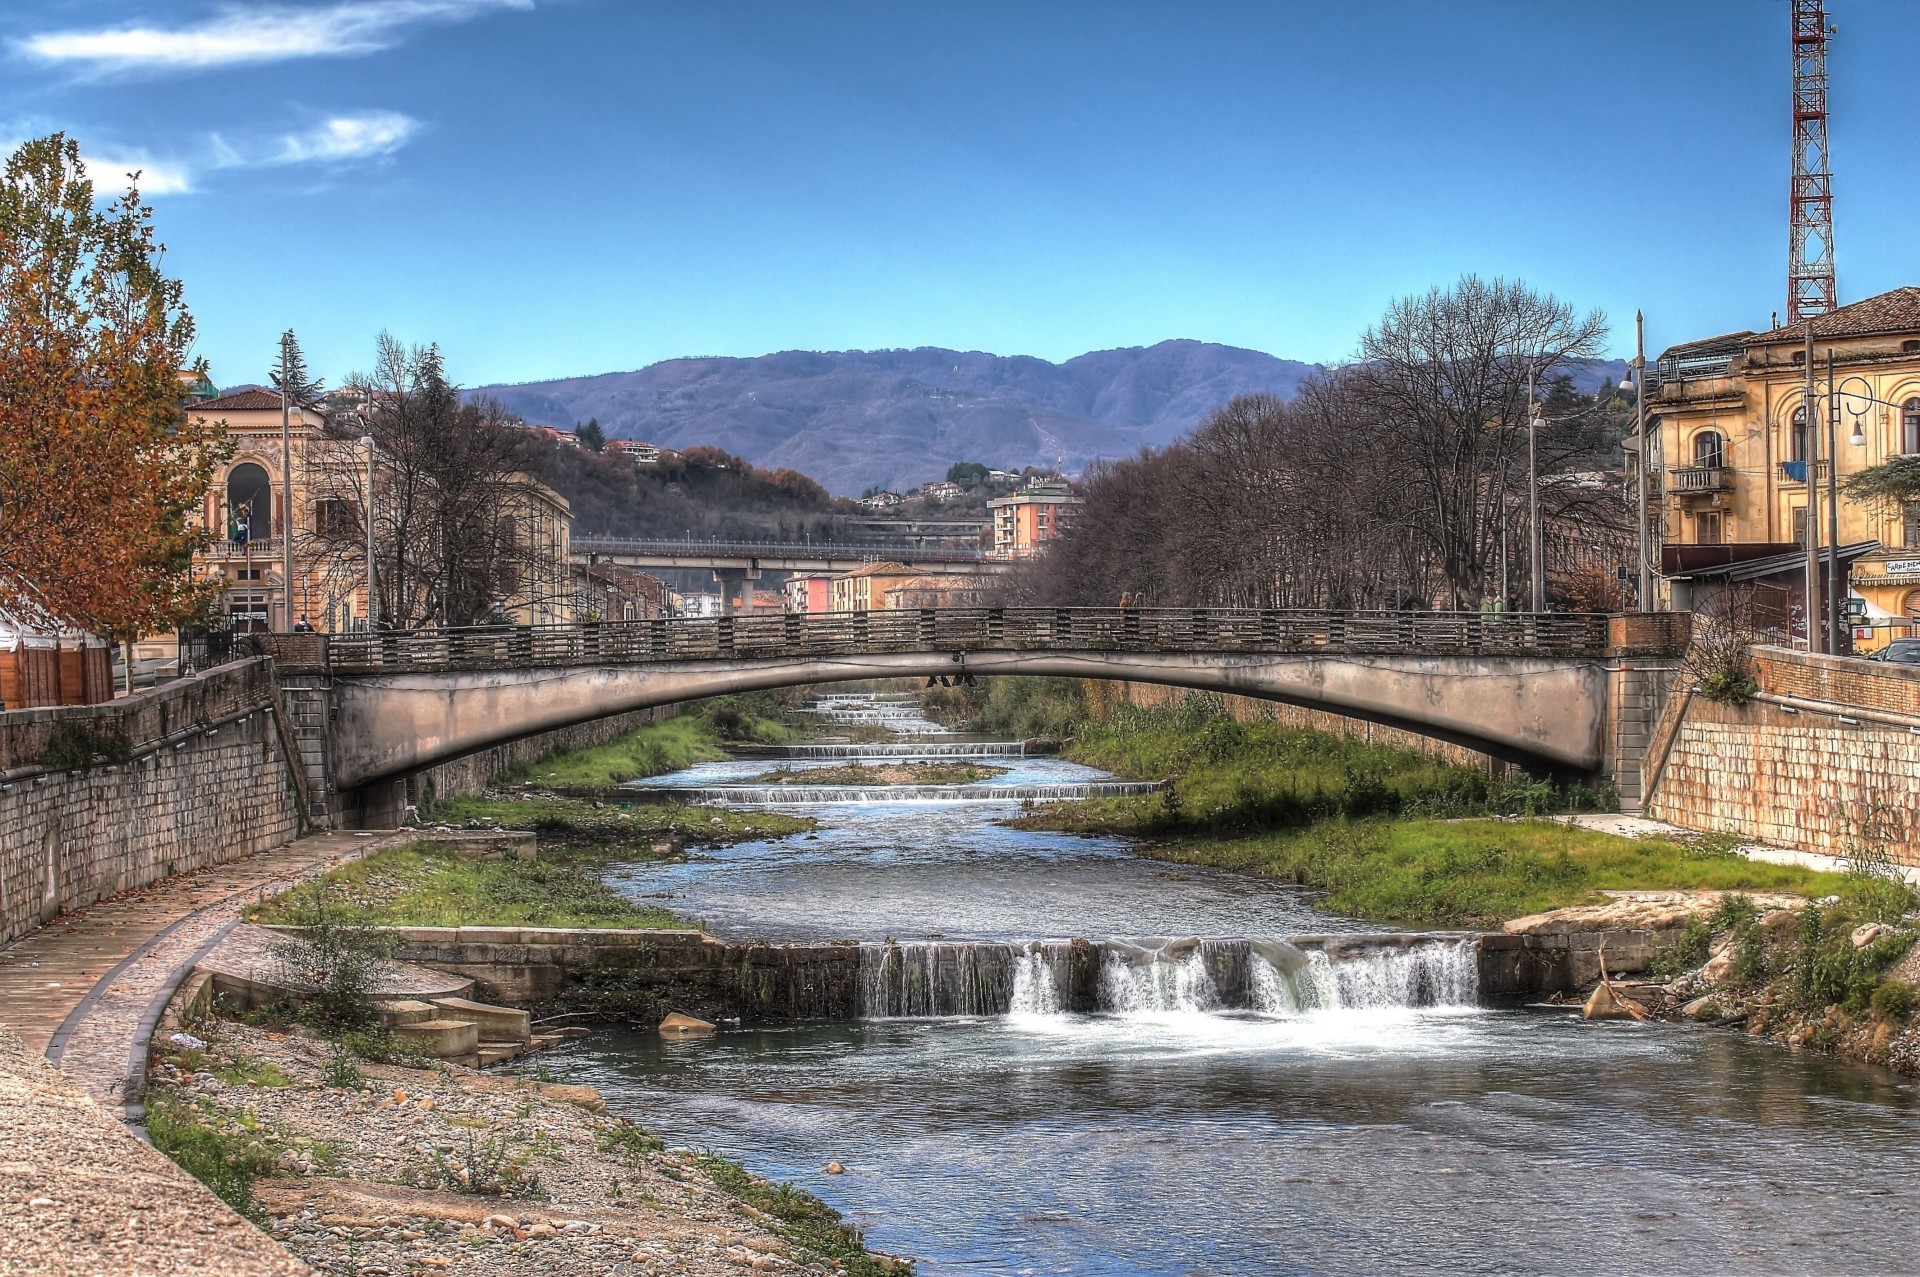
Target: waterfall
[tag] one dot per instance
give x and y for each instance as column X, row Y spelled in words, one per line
column 773, row 795
column 1263, row 976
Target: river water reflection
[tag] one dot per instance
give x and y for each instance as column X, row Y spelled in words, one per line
column 1355, row 1134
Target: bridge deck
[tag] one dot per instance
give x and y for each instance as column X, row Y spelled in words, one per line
column 1579, row 636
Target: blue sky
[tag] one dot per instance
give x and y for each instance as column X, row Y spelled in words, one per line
column 557, row 187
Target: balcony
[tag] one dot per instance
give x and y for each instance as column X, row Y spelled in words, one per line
column 224, row 551
column 1687, row 481
column 1796, row 471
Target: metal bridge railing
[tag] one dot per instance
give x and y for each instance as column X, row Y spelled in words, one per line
column 954, row 630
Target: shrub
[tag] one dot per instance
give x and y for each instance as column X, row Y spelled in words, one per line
column 1729, row 687
column 75, row 745
column 1892, row 999
column 339, row 961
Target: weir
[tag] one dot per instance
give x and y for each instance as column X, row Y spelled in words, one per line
column 793, row 795
column 895, row 749
column 1263, row 975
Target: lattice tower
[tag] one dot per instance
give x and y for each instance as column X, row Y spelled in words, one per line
column 1810, row 285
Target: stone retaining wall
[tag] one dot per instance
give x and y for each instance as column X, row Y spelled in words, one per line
column 207, row 782
column 1799, row 775
column 640, row 976
column 467, row 777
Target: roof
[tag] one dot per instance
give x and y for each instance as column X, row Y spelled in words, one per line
column 1895, row 311
column 1724, row 343
column 253, row 400
column 886, row 567
column 1753, row 569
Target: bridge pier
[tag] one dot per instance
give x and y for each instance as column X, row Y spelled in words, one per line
column 734, row 584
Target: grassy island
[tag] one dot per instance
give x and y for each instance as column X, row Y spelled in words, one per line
column 862, row 774
column 1391, row 833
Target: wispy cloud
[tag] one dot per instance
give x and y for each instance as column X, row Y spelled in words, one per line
column 336, row 140
column 109, row 169
column 239, row 34
column 346, row 137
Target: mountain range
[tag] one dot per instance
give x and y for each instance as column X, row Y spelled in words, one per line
column 862, row 419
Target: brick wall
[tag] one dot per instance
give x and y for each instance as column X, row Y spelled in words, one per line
column 208, row 782
column 1811, row 775
column 1844, row 680
column 1250, row 709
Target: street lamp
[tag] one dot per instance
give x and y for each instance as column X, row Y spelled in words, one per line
column 373, row 608
column 1644, row 601
column 1535, row 541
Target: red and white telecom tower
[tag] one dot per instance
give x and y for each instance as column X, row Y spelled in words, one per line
column 1810, row 288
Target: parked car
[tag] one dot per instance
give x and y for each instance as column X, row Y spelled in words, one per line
column 1899, row 652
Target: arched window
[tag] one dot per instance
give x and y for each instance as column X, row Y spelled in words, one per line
column 1910, row 426
column 1799, row 435
column 249, row 503
column 1709, row 449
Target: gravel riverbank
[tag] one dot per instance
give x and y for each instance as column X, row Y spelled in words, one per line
column 450, row 1170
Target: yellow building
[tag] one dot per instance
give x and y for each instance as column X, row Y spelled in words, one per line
column 1728, row 424
column 540, row 585
column 245, row 509
column 865, row 590
column 1024, row 522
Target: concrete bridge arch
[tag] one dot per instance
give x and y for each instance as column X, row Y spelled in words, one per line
column 1575, row 695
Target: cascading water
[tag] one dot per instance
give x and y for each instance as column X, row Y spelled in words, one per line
column 1268, row 977
column 892, row 749
column 764, row 795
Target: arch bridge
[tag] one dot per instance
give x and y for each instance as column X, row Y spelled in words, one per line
column 1570, row 693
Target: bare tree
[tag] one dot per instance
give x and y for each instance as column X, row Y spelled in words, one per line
column 451, row 497
column 1448, row 372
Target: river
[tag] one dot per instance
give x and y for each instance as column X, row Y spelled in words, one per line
column 1214, row 1094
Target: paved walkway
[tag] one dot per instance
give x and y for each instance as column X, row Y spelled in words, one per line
column 87, row 988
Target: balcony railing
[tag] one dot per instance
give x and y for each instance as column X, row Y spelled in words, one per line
column 1692, row 479
column 1692, row 367
column 1796, row 471
column 262, row 548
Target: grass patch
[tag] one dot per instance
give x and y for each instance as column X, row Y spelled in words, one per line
column 1233, row 777
column 648, row 751
column 578, row 823
column 226, row 1161
column 428, row 886
column 812, row 1227
column 658, row 748
column 1479, row 873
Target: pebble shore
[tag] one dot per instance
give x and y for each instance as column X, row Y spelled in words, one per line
column 451, row 1170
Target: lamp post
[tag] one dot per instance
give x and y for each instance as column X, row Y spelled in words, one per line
column 1644, row 599
column 1812, row 436
column 286, row 483
column 1535, row 542
column 1833, row 511
column 373, row 607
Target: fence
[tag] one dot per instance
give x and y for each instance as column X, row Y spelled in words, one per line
column 956, row 630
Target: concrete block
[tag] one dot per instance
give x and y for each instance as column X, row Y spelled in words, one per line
column 442, row 1039
column 496, row 1023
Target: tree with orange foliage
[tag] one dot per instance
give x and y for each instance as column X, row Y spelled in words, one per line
column 100, row 469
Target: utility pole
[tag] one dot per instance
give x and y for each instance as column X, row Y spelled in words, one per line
column 286, row 485
column 1810, row 431
column 1833, row 511
column 1535, row 541
column 1644, row 602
